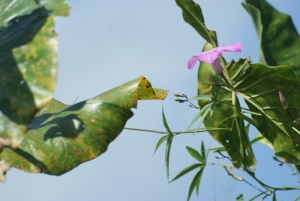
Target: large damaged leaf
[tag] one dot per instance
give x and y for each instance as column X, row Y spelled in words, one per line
column 61, row 137
column 260, row 85
column 278, row 37
column 28, row 62
column 235, row 141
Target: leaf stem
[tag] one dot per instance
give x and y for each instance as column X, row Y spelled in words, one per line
column 179, row 132
column 242, row 179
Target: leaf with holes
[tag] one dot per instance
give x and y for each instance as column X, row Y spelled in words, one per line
column 278, row 37
column 235, row 141
column 28, row 60
column 259, row 85
column 61, row 137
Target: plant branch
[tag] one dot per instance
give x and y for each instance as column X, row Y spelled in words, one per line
column 180, row 132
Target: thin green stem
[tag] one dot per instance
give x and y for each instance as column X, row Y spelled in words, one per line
column 180, row 132
column 271, row 187
column 225, row 71
column 297, row 198
column 242, row 179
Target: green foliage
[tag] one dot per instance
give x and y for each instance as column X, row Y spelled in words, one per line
column 206, row 78
column 61, row 137
column 278, row 37
column 202, row 113
column 240, row 197
column 192, row 14
column 169, row 139
column 28, row 59
column 200, row 156
column 276, row 117
column 259, row 86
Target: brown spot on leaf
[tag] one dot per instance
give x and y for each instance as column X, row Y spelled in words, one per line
column 148, row 85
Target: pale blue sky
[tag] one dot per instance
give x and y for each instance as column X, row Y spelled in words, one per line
column 103, row 44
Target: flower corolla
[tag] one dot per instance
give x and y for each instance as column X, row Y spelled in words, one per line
column 212, row 56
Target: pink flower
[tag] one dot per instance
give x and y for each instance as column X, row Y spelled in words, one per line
column 212, row 56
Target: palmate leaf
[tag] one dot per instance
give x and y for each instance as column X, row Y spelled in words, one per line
column 195, row 184
column 278, row 37
column 28, row 60
column 61, row 137
column 195, row 154
column 187, row 170
column 259, row 85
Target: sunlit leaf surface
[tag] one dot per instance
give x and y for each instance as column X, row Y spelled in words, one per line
column 61, row 137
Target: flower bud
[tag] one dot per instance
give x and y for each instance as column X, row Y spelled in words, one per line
column 283, row 101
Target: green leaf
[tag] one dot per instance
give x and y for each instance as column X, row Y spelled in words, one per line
column 274, row 196
column 10, row 9
column 187, row 170
column 257, row 139
column 62, row 137
column 235, row 141
column 240, row 197
column 168, row 151
column 206, row 78
column 165, row 122
column 192, row 14
column 218, row 149
column 203, row 151
column 264, row 141
column 225, row 115
column 203, row 117
column 203, row 110
column 170, row 137
column 160, row 141
column 195, row 154
column 259, row 86
column 297, row 198
column 28, row 60
column 278, row 37
column 201, row 97
column 257, row 196
column 195, row 183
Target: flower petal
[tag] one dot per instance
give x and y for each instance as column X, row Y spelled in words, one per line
column 236, row 47
column 192, row 62
column 209, row 56
column 217, row 66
